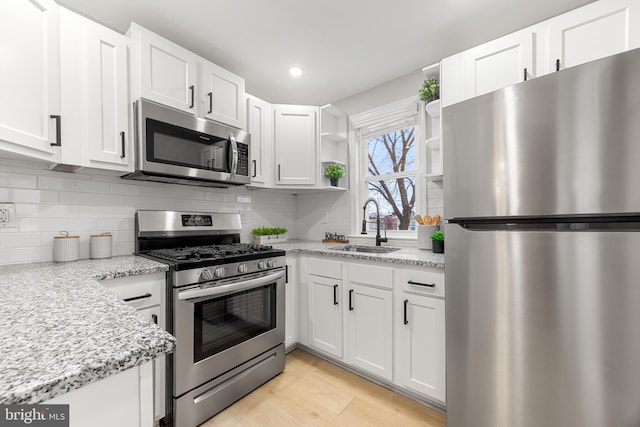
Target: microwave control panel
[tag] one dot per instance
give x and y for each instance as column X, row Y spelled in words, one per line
column 243, row 160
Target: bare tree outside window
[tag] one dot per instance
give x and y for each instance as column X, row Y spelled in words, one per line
column 391, row 177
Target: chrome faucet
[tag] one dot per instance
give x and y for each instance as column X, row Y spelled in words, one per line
column 379, row 239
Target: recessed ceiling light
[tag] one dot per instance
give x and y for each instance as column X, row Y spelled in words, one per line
column 295, row 71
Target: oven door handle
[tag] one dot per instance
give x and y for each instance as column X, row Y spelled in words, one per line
column 232, row 287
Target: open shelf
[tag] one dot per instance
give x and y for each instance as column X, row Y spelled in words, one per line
column 433, row 108
column 433, row 143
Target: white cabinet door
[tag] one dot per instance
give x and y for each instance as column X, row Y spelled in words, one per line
column 165, row 72
column 223, row 96
column 30, row 78
column 594, row 31
column 159, row 397
column 291, row 304
column 296, row 144
column 369, row 329
column 452, row 85
column 499, row 63
column 420, row 344
column 94, row 94
column 259, row 126
column 325, row 314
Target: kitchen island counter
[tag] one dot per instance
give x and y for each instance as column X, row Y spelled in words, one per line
column 60, row 329
column 405, row 256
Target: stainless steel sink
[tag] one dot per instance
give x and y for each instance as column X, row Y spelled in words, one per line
column 366, row 248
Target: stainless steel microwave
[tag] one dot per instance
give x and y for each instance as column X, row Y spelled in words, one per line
column 176, row 147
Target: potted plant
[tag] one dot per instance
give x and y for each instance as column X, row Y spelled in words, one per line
column 269, row 235
column 437, row 242
column 430, row 90
column 334, row 172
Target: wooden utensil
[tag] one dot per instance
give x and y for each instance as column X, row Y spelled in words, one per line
column 427, row 220
column 435, row 220
column 419, row 219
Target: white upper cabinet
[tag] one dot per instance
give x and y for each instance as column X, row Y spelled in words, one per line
column 162, row 71
column 499, row 63
column 594, row 31
column 260, row 126
column 95, row 94
column 30, row 79
column 296, row 144
column 171, row 75
column 224, row 96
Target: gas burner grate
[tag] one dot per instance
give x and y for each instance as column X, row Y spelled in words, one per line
column 196, row 253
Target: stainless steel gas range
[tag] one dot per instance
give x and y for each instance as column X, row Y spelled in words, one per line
column 226, row 309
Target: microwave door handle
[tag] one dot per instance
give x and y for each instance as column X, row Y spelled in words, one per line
column 234, row 155
column 231, row 287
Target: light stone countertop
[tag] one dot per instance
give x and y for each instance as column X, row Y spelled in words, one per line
column 405, row 256
column 60, row 329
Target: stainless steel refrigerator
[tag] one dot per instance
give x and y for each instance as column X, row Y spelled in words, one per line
column 542, row 197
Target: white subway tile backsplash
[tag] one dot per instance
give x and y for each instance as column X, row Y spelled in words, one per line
column 113, row 224
column 73, row 225
column 106, row 211
column 95, row 199
column 18, row 195
column 18, row 180
column 77, row 183
column 151, row 203
column 195, row 205
column 19, row 240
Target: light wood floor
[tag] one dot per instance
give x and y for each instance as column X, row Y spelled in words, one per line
column 312, row 391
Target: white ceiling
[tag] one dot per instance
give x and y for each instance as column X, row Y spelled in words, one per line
column 344, row 46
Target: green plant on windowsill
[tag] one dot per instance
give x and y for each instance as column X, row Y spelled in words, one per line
column 430, row 90
column 437, row 242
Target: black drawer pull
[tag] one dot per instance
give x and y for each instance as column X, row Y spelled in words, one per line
column 557, row 65
column 429, row 285
column 147, row 295
column 525, row 74
column 335, row 294
column 350, row 299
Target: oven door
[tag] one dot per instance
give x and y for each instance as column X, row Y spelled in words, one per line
column 222, row 326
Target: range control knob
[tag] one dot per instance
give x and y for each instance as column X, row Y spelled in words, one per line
column 219, row 272
column 242, row 268
column 206, row 275
column 271, row 263
column 262, row 265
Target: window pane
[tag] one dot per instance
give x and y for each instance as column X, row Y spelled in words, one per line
column 396, row 198
column 392, row 152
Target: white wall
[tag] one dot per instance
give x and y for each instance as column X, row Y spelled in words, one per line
column 312, row 207
column 91, row 201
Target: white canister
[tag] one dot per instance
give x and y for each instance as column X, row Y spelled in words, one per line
column 65, row 247
column 424, row 235
column 100, row 245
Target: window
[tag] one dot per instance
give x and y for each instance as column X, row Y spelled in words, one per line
column 390, row 165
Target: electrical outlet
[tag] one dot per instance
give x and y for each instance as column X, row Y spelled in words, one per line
column 7, row 215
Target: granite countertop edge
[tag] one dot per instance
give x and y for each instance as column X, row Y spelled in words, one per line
column 76, row 332
column 404, row 256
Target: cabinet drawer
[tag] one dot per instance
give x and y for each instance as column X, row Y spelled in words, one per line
column 424, row 281
column 370, row 275
column 323, row 268
column 140, row 291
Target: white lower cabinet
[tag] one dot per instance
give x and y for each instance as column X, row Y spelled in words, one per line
column 123, row 400
column 391, row 321
column 369, row 319
column 291, row 304
column 324, row 288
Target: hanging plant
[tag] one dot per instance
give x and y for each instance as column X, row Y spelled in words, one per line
column 430, row 90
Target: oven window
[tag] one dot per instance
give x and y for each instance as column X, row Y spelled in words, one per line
column 224, row 322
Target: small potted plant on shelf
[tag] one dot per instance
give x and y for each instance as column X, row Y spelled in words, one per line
column 269, row 235
column 437, row 242
column 430, row 90
column 334, row 172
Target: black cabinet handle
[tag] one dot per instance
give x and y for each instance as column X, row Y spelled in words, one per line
column 335, row 294
column 286, row 274
column 255, row 168
column 58, row 120
column 210, row 95
column 429, row 285
column 123, row 145
column 525, row 74
column 557, row 65
column 278, row 172
column 350, row 299
column 192, row 89
column 406, row 303
column 147, row 295
column 154, row 317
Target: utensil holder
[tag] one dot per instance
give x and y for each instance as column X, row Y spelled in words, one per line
column 424, row 236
